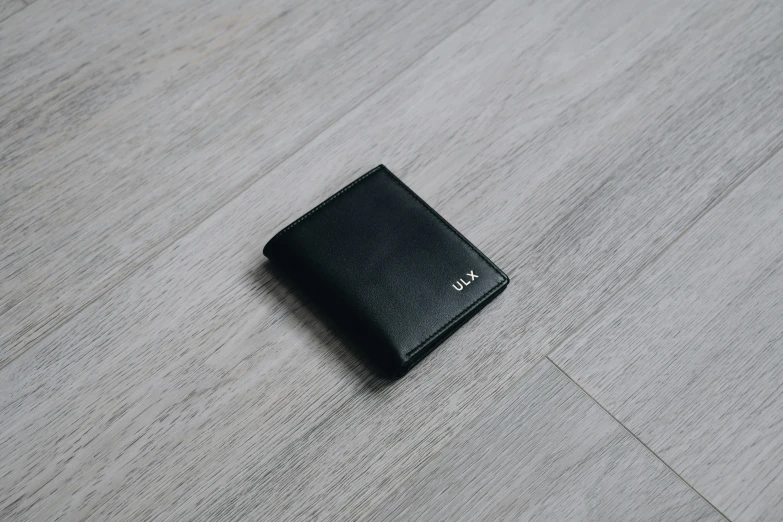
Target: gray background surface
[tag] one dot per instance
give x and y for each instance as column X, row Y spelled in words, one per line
column 619, row 159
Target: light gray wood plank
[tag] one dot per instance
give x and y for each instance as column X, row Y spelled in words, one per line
column 182, row 384
column 545, row 451
column 9, row 7
column 628, row 208
column 690, row 358
column 123, row 124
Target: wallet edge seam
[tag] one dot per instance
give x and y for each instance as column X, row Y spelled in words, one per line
column 483, row 297
column 326, row 202
column 504, row 280
column 445, row 223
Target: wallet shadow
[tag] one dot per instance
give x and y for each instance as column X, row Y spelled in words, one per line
column 272, row 281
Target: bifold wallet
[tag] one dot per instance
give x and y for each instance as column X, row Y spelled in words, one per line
column 387, row 269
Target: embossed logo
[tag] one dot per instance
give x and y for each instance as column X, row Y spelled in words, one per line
column 459, row 285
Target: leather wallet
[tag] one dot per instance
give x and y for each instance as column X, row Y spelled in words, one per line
column 387, row 269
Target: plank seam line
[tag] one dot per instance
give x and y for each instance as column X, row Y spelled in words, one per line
column 655, row 258
column 640, row 441
column 609, row 300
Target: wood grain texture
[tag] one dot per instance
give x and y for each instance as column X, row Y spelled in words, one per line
column 691, row 357
column 545, row 451
column 374, row 440
column 122, row 125
column 570, row 141
column 9, row 7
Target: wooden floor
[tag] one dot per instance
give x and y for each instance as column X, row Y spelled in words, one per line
column 619, row 159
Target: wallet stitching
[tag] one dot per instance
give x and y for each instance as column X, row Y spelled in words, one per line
column 329, row 200
column 465, row 242
column 443, row 222
column 459, row 316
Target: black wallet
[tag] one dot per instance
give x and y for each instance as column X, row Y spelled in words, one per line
column 387, row 269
